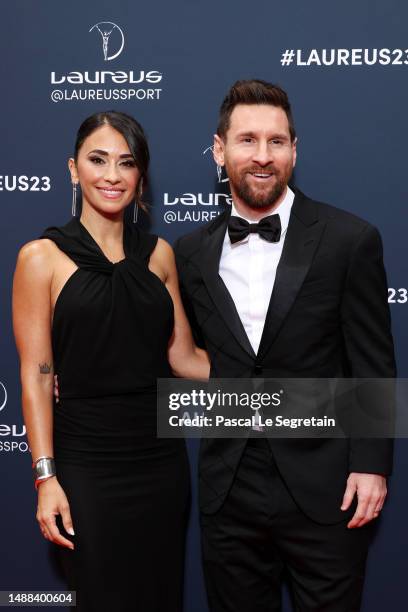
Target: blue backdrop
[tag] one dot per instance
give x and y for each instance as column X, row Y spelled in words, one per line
column 345, row 67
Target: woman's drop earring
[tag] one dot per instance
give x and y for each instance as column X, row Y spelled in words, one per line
column 137, row 198
column 74, row 198
column 135, row 211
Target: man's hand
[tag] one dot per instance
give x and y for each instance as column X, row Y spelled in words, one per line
column 371, row 491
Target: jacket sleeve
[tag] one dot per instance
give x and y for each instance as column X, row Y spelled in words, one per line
column 366, row 326
column 181, row 263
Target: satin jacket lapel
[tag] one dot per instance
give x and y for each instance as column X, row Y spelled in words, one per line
column 303, row 237
column 209, row 260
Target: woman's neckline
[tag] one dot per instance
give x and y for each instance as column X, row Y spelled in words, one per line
column 89, row 235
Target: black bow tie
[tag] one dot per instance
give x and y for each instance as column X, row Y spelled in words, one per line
column 269, row 228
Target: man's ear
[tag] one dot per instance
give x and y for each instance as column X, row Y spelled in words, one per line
column 294, row 150
column 73, row 170
column 218, row 150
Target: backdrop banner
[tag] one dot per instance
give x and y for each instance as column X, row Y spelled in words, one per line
column 169, row 64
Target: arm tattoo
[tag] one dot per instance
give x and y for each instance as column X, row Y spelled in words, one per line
column 45, row 368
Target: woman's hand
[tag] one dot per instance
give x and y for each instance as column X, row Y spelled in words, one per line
column 52, row 501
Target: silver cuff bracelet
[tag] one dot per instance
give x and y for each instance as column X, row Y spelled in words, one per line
column 43, row 468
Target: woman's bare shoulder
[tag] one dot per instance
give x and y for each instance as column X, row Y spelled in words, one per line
column 163, row 249
column 37, row 256
column 162, row 260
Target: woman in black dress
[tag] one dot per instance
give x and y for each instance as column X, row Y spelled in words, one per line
column 97, row 303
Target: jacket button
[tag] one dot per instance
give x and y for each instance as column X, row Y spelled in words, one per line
column 258, row 370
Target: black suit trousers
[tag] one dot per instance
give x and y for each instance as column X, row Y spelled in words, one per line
column 259, row 535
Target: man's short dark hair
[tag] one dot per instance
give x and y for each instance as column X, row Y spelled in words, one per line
column 254, row 91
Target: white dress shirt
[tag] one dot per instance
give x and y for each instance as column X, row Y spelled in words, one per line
column 248, row 269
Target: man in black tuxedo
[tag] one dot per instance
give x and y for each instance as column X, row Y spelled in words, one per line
column 300, row 294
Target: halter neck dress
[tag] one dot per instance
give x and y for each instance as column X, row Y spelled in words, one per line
column 128, row 490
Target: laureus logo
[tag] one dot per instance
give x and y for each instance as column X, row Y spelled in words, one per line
column 219, row 169
column 113, row 39
column 3, row 396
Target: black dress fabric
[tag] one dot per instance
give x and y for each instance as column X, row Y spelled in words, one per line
column 128, row 490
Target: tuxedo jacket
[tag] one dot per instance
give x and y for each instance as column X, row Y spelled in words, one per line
column 328, row 317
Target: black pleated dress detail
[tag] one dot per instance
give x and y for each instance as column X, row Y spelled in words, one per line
column 128, row 490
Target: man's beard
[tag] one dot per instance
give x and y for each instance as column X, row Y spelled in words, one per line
column 258, row 199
